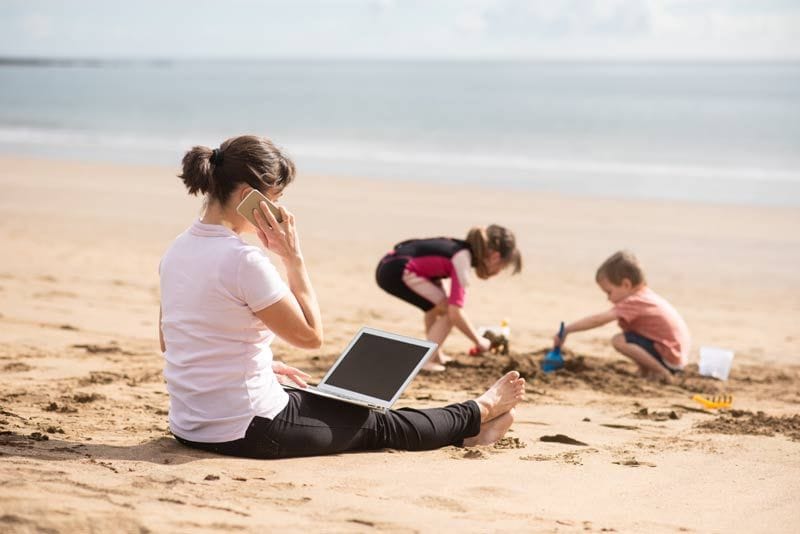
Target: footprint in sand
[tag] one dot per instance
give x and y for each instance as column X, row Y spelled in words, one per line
column 16, row 367
column 509, row 443
column 569, row 457
column 655, row 415
column 55, row 294
column 440, row 503
column 84, row 398
column 378, row 525
column 491, row 492
column 54, row 407
column 539, row 457
column 100, row 377
column 111, row 348
column 561, row 438
column 621, row 427
column 633, row 462
column 470, row 453
column 289, row 502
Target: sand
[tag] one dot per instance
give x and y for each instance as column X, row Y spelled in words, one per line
column 84, row 443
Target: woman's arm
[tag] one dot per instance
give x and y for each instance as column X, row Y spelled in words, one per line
column 296, row 317
column 161, row 332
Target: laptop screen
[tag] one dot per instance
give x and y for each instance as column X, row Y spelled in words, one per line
column 376, row 366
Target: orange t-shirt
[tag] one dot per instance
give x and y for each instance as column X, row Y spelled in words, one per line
column 651, row 316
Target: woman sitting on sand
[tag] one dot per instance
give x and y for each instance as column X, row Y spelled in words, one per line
column 222, row 304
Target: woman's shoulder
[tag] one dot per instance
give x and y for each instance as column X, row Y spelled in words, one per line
column 251, row 255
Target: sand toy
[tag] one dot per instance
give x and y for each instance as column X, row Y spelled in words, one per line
column 553, row 360
column 498, row 337
column 714, row 403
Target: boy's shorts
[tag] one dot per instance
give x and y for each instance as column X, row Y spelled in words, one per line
column 649, row 346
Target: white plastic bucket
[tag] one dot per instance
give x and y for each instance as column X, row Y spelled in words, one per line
column 715, row 362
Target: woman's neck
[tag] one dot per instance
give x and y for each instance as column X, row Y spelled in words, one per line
column 214, row 213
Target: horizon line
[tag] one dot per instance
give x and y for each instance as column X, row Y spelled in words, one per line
column 36, row 60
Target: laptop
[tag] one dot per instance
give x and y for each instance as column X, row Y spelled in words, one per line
column 374, row 369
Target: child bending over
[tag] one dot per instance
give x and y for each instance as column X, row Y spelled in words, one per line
column 413, row 271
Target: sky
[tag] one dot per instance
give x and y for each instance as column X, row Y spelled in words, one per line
column 404, row 29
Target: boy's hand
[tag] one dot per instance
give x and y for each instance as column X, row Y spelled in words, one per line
column 558, row 340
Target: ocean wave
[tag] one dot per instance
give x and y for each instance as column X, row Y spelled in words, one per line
column 366, row 153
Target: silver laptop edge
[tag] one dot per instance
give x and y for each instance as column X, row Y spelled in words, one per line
column 365, row 400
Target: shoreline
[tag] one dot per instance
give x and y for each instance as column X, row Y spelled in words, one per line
column 644, row 180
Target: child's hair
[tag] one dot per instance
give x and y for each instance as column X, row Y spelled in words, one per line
column 619, row 266
column 246, row 159
column 493, row 238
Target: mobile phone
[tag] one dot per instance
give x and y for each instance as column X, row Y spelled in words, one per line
column 252, row 202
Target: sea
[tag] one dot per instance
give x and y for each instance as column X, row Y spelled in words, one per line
column 702, row 132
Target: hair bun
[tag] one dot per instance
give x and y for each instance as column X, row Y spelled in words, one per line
column 197, row 175
column 216, row 157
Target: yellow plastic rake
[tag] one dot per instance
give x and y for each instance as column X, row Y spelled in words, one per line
column 714, row 403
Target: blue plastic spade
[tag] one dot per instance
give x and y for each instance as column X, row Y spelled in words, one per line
column 553, row 360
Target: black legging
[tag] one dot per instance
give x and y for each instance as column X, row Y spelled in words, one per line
column 311, row 425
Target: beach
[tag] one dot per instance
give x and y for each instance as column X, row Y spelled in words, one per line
column 84, row 442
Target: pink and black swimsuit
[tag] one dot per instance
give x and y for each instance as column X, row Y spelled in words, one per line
column 414, row 270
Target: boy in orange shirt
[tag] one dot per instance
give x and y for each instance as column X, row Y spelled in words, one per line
column 653, row 334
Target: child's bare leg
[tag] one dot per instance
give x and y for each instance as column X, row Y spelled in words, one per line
column 431, row 317
column 434, row 313
column 648, row 366
column 438, row 333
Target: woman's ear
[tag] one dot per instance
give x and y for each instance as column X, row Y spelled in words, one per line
column 244, row 191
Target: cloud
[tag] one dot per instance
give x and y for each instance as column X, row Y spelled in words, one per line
column 37, row 25
column 470, row 22
column 552, row 29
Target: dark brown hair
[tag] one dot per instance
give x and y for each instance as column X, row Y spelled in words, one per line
column 246, row 159
column 619, row 266
column 493, row 238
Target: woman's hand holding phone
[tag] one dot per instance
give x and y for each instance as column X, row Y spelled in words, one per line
column 280, row 238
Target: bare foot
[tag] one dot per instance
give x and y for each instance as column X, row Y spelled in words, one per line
column 444, row 358
column 492, row 431
column 655, row 376
column 433, row 367
column 661, row 378
column 502, row 396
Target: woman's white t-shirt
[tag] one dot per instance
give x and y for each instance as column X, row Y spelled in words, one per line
column 218, row 359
